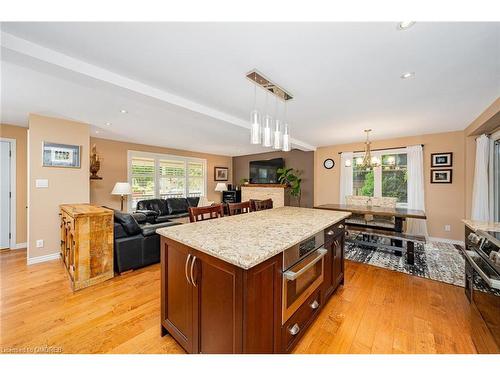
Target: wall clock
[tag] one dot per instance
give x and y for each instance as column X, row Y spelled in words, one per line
column 328, row 163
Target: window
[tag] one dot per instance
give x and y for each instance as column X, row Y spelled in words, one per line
column 195, row 180
column 494, row 176
column 142, row 179
column 165, row 176
column 394, row 177
column 388, row 180
column 172, row 178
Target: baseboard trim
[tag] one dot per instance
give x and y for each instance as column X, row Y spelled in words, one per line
column 43, row 258
column 19, row 246
column 446, row 240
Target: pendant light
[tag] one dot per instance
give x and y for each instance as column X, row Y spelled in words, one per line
column 277, row 130
column 286, row 134
column 268, row 120
column 255, row 136
column 286, row 139
column 367, row 162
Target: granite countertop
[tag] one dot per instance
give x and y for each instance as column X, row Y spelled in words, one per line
column 249, row 239
column 489, row 226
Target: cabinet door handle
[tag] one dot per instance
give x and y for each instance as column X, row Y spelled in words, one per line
column 294, row 329
column 186, row 268
column 192, row 269
column 314, row 305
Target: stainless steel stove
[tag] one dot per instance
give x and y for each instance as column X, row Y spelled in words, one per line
column 483, row 266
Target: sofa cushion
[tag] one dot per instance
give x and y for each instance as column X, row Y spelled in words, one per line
column 177, row 205
column 158, row 205
column 118, row 231
column 128, row 223
column 139, row 217
column 193, row 201
column 150, row 229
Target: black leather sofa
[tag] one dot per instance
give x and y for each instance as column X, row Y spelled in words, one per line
column 136, row 243
column 163, row 210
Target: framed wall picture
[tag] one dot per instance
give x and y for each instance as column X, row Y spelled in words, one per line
column 441, row 176
column 442, row 159
column 60, row 155
column 221, row 173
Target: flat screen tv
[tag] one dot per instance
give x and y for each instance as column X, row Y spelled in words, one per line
column 265, row 171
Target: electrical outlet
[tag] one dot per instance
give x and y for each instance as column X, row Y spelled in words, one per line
column 447, row 228
column 39, row 243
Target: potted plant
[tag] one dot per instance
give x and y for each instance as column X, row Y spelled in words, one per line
column 291, row 178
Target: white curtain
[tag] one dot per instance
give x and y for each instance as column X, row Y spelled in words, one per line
column 416, row 196
column 345, row 176
column 480, row 200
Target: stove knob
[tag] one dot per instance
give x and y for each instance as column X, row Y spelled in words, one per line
column 330, row 232
column 474, row 238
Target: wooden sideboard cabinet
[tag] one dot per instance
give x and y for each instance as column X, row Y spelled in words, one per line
column 87, row 243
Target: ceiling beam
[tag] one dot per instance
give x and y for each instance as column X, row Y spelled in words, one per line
column 50, row 56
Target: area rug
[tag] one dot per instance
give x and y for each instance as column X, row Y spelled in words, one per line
column 438, row 261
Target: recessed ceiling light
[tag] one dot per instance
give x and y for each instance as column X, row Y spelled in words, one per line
column 407, row 75
column 123, row 111
column 405, row 25
column 108, row 123
column 97, row 131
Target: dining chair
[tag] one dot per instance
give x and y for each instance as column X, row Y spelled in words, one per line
column 205, row 213
column 357, row 200
column 259, row 205
column 383, row 221
column 238, row 208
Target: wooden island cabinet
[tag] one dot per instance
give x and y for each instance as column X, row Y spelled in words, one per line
column 204, row 306
column 234, row 305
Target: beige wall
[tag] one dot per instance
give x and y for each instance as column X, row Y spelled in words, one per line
column 301, row 160
column 445, row 203
column 20, row 135
column 114, row 168
column 66, row 185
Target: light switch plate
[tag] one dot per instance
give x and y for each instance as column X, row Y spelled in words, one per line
column 39, row 243
column 42, row 183
column 447, row 228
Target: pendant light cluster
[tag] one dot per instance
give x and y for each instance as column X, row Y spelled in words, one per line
column 266, row 130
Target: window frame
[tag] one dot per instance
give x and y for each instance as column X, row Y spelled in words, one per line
column 377, row 172
column 131, row 154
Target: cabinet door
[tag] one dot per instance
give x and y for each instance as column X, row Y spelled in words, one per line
column 338, row 260
column 177, row 294
column 328, row 280
column 219, row 305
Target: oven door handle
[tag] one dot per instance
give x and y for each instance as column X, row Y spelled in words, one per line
column 491, row 282
column 290, row 275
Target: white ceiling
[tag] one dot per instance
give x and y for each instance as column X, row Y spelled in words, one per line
column 183, row 84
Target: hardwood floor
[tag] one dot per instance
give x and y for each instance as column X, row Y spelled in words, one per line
column 377, row 311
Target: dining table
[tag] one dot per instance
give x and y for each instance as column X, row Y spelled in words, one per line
column 400, row 214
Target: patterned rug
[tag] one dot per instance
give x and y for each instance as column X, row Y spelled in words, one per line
column 438, row 261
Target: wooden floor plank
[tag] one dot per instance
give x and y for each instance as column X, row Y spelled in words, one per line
column 376, row 311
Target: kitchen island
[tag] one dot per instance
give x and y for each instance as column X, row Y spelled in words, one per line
column 249, row 283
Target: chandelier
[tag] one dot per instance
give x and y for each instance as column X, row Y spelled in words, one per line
column 368, row 161
column 261, row 131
